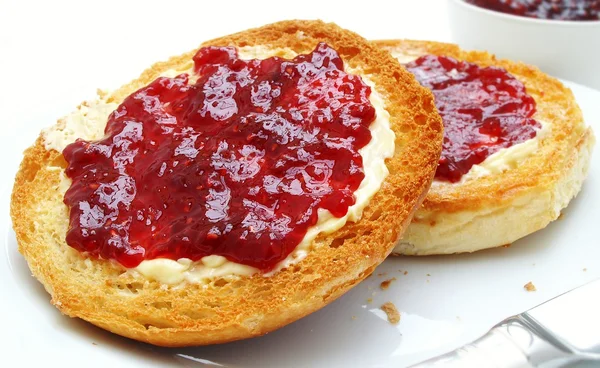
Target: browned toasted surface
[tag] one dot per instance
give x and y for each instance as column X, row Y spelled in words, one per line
column 102, row 293
column 556, row 156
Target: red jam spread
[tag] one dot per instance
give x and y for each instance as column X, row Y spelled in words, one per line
column 236, row 164
column 545, row 9
column 483, row 110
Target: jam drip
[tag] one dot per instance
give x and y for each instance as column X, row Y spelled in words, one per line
column 545, row 9
column 236, row 164
column 483, row 111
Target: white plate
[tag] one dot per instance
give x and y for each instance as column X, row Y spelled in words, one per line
column 444, row 301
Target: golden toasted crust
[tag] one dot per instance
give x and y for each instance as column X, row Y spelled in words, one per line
column 498, row 209
column 102, row 293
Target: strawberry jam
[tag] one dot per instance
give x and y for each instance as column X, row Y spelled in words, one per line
column 545, row 9
column 236, row 163
column 483, row 110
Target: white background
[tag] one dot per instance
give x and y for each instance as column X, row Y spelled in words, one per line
column 54, row 54
column 58, row 53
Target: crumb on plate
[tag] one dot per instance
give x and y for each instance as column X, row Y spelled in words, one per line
column 530, row 286
column 393, row 315
column 386, row 284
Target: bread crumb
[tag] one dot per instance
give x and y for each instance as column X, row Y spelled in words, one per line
column 530, row 286
column 585, row 269
column 386, row 284
column 393, row 315
column 370, row 300
column 101, row 93
column 381, row 274
column 406, row 272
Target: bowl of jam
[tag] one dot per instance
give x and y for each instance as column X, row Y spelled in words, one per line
column 561, row 37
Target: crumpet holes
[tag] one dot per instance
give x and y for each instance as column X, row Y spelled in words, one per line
column 58, row 161
column 31, row 171
column 134, row 287
column 376, row 215
column 338, row 242
column 162, row 305
column 421, row 119
column 220, row 283
column 155, row 324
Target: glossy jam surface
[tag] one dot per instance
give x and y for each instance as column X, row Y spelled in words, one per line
column 580, row 10
column 483, row 110
column 235, row 164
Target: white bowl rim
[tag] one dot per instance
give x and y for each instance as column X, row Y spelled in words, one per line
column 523, row 19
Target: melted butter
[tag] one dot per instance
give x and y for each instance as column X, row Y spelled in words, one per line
column 263, row 52
column 173, row 272
column 402, row 57
column 506, row 158
column 88, row 123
